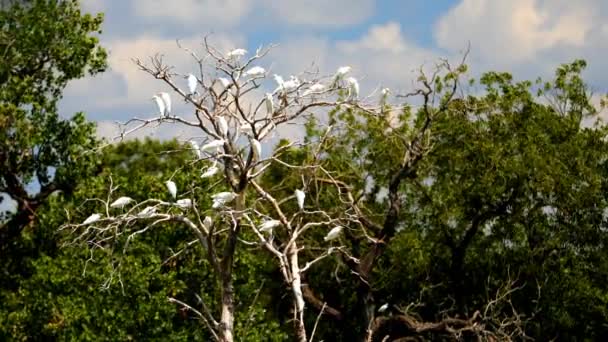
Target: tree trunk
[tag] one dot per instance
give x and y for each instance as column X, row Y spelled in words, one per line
column 298, row 298
column 227, row 317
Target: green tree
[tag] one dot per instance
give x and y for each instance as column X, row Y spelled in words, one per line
column 44, row 45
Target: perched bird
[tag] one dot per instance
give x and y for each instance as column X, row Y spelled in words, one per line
column 207, row 222
column 222, row 125
column 300, row 195
column 255, row 71
column 92, row 218
column 315, row 88
column 291, row 85
column 167, row 101
column 353, row 88
column 246, row 128
column 160, row 104
column 225, row 82
column 192, row 83
column 383, row 308
column 196, row 149
column 213, row 144
column 269, row 104
column 184, row 203
column 210, row 172
column 267, row 226
column 384, row 92
column 147, row 212
column 340, row 73
column 172, row 188
column 221, row 198
column 257, row 148
column 237, row 53
column 121, row 202
column 333, row 234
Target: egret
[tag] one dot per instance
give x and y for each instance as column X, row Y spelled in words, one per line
column 121, row 202
column 267, row 226
column 269, row 104
column 167, row 101
column 184, row 203
column 257, row 148
column 333, row 234
column 291, row 85
column 210, row 172
column 315, row 88
column 213, row 144
column 225, row 82
column 225, row 196
column 223, row 125
column 192, row 83
column 221, row 198
column 383, row 308
column 246, row 128
column 384, row 92
column 255, row 71
column 340, row 73
column 196, row 149
column 160, row 104
column 300, row 196
column 207, row 222
column 172, row 188
column 147, row 212
column 237, row 53
column 353, row 87
column 92, row 218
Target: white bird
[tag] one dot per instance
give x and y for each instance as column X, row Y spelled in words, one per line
column 147, row 212
column 160, row 104
column 225, row 82
column 213, row 144
column 237, row 53
column 210, row 172
column 167, row 101
column 196, row 149
column 267, row 226
column 340, row 73
column 172, row 188
column 255, row 71
column 353, row 88
column 192, row 83
column 257, row 148
column 279, row 80
column 269, row 104
column 300, row 196
column 207, row 222
column 221, row 198
column 121, row 202
column 184, row 203
column 223, row 125
column 92, row 218
column 315, row 88
column 383, row 308
column 291, row 85
column 246, row 128
column 333, row 234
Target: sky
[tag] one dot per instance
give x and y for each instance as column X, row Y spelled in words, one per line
column 385, row 41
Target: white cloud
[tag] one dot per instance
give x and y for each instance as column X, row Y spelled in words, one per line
column 321, row 13
column 208, row 13
column 515, row 31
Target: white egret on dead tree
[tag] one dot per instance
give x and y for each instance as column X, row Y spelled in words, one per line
column 172, row 188
column 192, row 83
column 300, row 196
column 213, row 144
column 269, row 225
column 92, row 218
column 333, row 234
column 255, row 71
column 121, row 202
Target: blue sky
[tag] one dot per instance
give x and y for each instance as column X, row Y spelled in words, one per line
column 384, row 41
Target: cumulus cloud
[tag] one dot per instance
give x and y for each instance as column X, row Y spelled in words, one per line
column 515, row 31
column 211, row 13
column 321, row 13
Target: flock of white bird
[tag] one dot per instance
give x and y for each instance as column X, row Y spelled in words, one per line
column 222, row 199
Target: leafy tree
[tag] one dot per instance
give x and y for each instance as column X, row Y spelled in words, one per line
column 75, row 295
column 44, row 45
